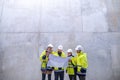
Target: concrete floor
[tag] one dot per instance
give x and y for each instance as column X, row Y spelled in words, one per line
column 28, row 26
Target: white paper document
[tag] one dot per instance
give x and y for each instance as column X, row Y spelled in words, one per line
column 56, row 61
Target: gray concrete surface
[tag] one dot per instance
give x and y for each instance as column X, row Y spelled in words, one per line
column 28, row 26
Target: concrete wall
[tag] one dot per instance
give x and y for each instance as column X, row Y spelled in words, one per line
column 28, row 26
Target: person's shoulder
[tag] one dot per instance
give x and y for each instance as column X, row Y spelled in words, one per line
column 63, row 54
column 72, row 57
column 84, row 54
column 44, row 51
column 54, row 53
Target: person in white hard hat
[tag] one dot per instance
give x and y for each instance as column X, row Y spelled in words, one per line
column 44, row 57
column 71, row 69
column 82, row 62
column 59, row 71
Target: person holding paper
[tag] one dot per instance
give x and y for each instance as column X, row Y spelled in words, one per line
column 59, row 71
column 44, row 57
column 71, row 69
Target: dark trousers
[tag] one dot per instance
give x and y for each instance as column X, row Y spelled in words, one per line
column 44, row 76
column 81, row 77
column 72, row 77
column 75, row 71
column 59, row 75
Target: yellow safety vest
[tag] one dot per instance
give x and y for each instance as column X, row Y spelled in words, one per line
column 71, row 66
column 81, row 61
column 44, row 61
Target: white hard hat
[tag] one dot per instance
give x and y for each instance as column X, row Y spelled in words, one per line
column 50, row 45
column 69, row 50
column 79, row 47
column 60, row 47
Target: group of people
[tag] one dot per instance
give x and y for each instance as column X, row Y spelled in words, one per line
column 77, row 65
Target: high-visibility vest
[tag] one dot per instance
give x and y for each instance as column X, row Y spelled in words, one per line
column 71, row 66
column 44, row 61
column 81, row 61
